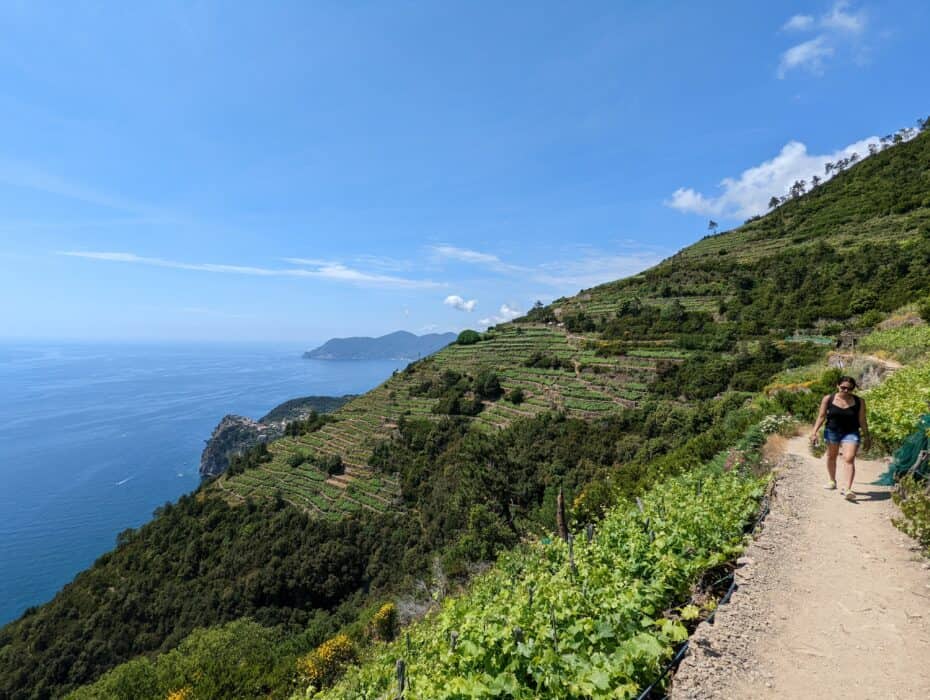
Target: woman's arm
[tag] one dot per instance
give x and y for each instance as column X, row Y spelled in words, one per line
column 864, row 426
column 820, row 418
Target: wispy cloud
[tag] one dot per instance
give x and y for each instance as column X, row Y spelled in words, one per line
column 798, row 23
column 28, row 176
column 597, row 267
column 328, row 269
column 457, row 302
column 808, row 55
column 841, row 19
column 571, row 272
column 837, row 28
column 474, row 257
column 313, row 269
column 750, row 192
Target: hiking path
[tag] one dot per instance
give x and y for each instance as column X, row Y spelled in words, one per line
column 832, row 601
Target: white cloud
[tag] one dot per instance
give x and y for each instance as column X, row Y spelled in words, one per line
column 323, row 269
column 457, row 302
column 808, row 56
column 840, row 20
column 798, row 23
column 474, row 257
column 837, row 28
column 504, row 314
column 568, row 274
column 465, row 255
column 749, row 194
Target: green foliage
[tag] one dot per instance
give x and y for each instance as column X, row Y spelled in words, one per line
column 297, row 458
column 488, row 385
column 698, row 325
column 249, row 459
column 202, row 562
column 913, row 498
column 468, row 337
column 516, row 396
column 895, row 406
column 239, row 659
column 313, row 422
column 384, row 622
column 802, row 400
column 545, row 623
column 332, row 464
column 703, row 375
column 543, row 360
column 326, row 663
column 906, row 343
column 539, row 314
column 635, row 320
column 923, row 308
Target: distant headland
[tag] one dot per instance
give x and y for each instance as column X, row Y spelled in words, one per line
column 400, row 345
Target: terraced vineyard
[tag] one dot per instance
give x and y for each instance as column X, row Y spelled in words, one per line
column 584, row 385
column 723, row 286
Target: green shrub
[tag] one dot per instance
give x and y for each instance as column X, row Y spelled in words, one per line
column 895, row 405
column 488, row 385
column 923, row 308
column 913, row 499
column 297, row 458
column 333, row 465
column 468, row 337
column 384, row 622
column 907, row 343
column 516, row 396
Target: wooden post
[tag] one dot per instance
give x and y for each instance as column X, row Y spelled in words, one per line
column 401, row 679
column 453, row 639
column 571, row 553
column 517, row 635
column 589, row 533
column 560, row 522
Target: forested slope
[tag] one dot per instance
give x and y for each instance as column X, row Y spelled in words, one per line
column 462, row 454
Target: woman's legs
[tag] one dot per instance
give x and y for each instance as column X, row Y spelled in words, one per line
column 849, row 460
column 833, row 449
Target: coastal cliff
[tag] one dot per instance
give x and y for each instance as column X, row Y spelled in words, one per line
column 235, row 434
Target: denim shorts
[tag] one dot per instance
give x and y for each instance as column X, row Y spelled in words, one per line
column 834, row 437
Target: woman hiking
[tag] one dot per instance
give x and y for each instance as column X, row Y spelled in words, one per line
column 846, row 427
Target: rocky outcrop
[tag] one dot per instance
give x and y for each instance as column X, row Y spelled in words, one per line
column 235, row 434
column 232, row 436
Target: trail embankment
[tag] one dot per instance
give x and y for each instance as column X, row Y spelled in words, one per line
column 831, row 601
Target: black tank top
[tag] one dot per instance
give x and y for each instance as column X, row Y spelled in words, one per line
column 843, row 420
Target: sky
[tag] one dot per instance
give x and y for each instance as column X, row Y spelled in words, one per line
column 293, row 171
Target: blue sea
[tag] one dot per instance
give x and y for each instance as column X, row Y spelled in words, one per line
column 93, row 437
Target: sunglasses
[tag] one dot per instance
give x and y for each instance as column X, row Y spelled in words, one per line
column 847, row 388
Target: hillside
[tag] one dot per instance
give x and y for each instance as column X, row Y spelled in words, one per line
column 236, row 434
column 849, row 247
column 462, row 454
column 400, row 345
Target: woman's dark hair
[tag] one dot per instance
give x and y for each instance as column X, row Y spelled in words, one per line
column 847, row 379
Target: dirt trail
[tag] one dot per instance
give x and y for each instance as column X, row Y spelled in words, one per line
column 831, row 602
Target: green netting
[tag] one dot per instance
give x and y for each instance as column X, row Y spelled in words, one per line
column 907, row 454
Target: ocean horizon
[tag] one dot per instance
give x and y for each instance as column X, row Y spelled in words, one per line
column 95, row 436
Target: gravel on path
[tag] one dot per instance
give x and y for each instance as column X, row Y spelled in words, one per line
column 831, row 600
